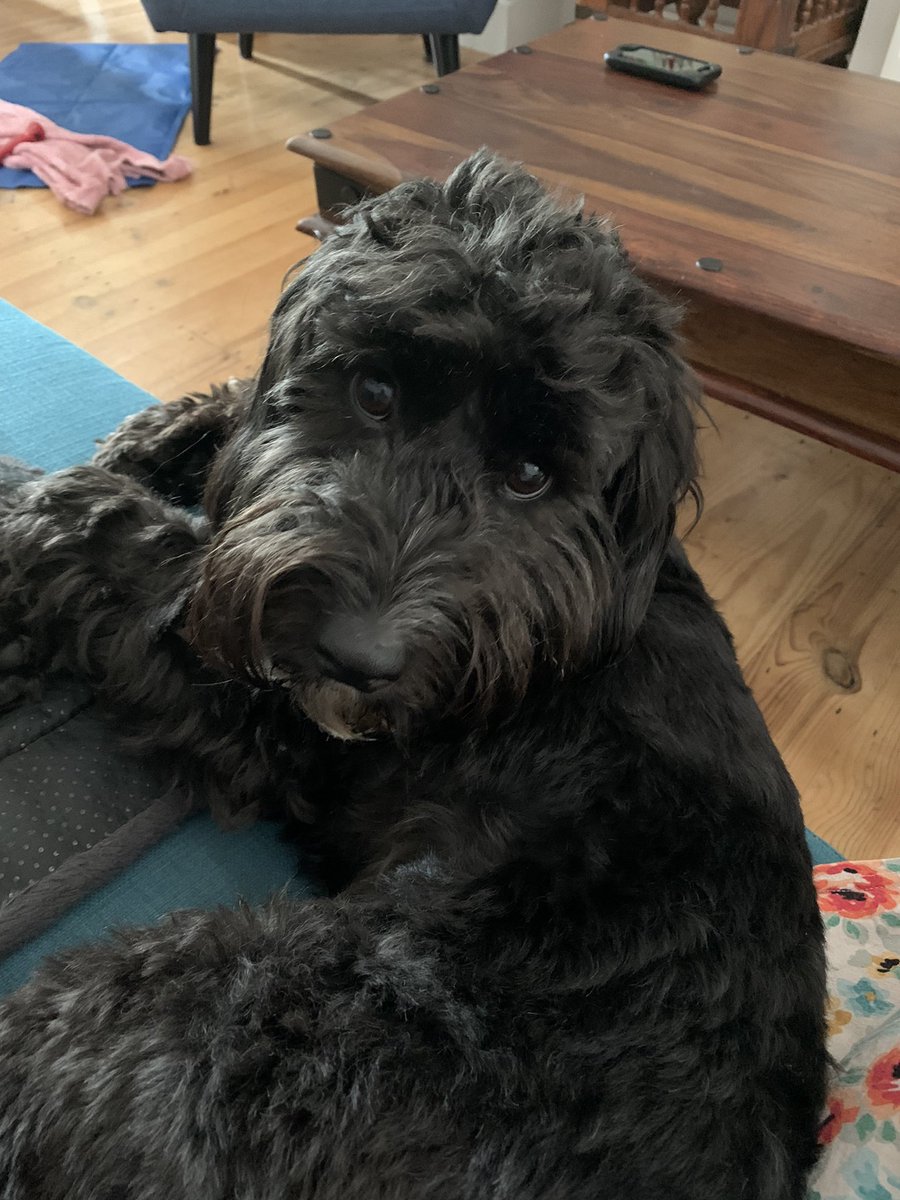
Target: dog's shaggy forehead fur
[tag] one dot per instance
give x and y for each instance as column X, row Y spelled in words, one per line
column 488, row 273
column 514, row 332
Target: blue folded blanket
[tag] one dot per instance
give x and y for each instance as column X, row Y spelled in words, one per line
column 139, row 94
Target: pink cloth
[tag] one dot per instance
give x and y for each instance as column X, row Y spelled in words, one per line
column 81, row 168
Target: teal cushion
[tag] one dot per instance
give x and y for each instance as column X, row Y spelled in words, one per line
column 55, row 400
column 198, row 866
column 820, row 850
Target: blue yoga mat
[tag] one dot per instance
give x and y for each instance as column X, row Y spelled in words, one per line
column 139, row 94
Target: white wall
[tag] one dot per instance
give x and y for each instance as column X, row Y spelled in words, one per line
column 877, row 49
column 515, row 22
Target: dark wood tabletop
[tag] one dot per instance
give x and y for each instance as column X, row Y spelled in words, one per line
column 786, row 172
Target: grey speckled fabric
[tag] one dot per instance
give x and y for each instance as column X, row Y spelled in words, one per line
column 74, row 809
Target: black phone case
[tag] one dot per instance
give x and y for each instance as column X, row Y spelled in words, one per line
column 694, row 82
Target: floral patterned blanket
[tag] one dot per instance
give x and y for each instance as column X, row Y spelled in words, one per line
column 860, row 904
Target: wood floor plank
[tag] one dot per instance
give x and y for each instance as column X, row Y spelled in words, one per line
column 173, row 286
column 800, row 546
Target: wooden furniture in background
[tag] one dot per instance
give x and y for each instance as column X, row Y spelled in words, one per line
column 767, row 204
column 819, row 30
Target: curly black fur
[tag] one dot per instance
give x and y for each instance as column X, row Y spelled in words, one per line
column 574, row 951
column 170, row 447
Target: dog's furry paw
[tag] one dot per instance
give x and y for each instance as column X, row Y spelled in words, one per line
column 19, row 679
column 14, row 473
column 170, row 447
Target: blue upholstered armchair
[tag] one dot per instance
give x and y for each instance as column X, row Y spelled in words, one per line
column 439, row 21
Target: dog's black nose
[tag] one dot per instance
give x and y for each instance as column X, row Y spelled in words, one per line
column 361, row 651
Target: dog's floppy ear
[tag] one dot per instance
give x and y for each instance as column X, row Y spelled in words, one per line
column 649, row 484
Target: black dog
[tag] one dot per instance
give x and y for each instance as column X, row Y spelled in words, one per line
column 575, row 952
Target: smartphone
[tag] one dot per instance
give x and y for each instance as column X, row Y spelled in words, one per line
column 663, row 66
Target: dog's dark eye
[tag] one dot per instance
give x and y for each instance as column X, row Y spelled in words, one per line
column 374, row 395
column 527, row 481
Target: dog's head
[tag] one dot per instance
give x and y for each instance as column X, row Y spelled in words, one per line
column 461, row 466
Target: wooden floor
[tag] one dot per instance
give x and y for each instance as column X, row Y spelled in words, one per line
column 172, row 287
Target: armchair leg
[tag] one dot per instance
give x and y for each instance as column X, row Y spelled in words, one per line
column 202, row 55
column 245, row 41
column 445, row 52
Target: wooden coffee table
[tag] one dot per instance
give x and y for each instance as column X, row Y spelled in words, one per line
column 770, row 205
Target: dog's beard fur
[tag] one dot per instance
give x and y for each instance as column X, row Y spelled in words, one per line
column 342, row 711
column 513, row 331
